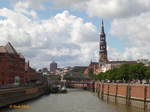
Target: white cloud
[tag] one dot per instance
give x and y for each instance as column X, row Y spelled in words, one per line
column 102, row 8
column 64, row 37
column 24, row 8
column 117, row 8
column 135, row 33
column 35, row 4
column 13, row 16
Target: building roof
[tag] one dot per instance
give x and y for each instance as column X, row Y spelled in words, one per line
column 94, row 63
column 8, row 48
column 122, row 62
column 80, row 67
column 53, row 62
column 2, row 49
column 28, row 68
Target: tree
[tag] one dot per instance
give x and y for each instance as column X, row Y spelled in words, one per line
column 132, row 72
column 101, row 76
column 123, row 72
column 111, row 74
column 137, row 71
column 91, row 75
column 147, row 74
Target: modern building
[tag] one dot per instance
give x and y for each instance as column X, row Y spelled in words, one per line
column 53, row 67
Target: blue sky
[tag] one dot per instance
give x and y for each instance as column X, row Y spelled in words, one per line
column 5, row 3
column 68, row 31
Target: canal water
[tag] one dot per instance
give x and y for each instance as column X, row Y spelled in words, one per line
column 76, row 100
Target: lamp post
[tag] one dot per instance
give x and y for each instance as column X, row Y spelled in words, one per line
column 62, row 78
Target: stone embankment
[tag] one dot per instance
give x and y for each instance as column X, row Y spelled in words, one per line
column 16, row 95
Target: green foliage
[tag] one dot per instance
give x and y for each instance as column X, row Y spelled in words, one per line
column 125, row 72
column 91, row 75
column 147, row 74
column 138, row 71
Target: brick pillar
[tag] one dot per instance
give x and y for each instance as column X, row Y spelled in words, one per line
column 102, row 91
column 145, row 98
column 116, row 94
column 108, row 92
column 128, row 95
column 93, row 86
column 98, row 90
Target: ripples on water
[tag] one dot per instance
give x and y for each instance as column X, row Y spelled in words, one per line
column 75, row 100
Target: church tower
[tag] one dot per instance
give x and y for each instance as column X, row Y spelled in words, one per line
column 103, row 46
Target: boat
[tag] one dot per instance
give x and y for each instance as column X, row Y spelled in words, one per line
column 63, row 90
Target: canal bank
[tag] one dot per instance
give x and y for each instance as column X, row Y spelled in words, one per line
column 76, row 100
column 133, row 95
column 20, row 94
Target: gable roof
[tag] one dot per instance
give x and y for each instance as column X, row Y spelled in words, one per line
column 2, row 49
column 8, row 48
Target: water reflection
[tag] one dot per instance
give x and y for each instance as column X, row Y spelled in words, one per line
column 74, row 101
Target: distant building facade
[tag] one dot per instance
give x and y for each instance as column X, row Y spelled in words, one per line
column 45, row 71
column 53, row 67
column 73, row 72
column 146, row 62
column 30, row 74
column 93, row 67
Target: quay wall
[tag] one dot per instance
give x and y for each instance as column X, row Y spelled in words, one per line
column 88, row 86
column 136, row 95
column 16, row 95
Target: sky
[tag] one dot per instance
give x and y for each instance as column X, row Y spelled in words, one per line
column 67, row 31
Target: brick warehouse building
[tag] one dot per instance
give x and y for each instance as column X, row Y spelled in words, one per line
column 12, row 66
column 31, row 74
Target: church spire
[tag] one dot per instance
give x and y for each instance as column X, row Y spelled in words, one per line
column 102, row 26
column 102, row 23
column 103, row 46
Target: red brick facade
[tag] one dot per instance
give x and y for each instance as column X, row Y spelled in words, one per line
column 136, row 90
column 30, row 73
column 12, row 67
column 93, row 67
